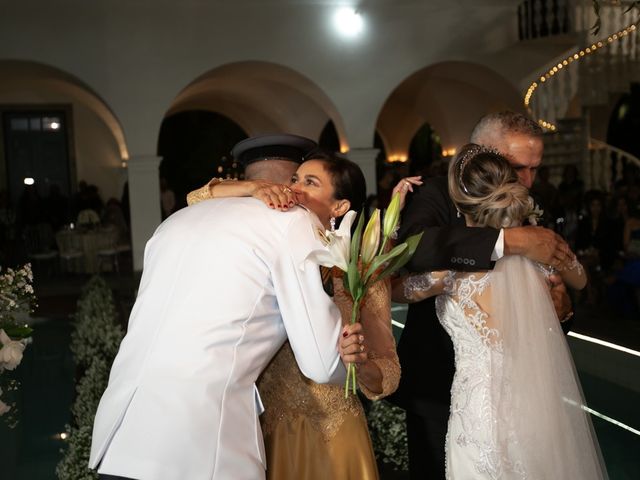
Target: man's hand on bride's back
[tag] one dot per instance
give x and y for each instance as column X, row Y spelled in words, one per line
column 274, row 195
column 538, row 244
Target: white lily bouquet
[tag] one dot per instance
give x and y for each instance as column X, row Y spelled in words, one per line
column 16, row 300
column 363, row 258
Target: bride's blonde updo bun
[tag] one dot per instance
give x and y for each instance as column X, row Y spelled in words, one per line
column 484, row 186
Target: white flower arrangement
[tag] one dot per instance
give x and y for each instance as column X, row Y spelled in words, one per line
column 17, row 300
column 96, row 335
column 11, row 351
column 94, row 343
column 387, row 426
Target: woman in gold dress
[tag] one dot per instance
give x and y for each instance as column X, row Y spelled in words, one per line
column 311, row 431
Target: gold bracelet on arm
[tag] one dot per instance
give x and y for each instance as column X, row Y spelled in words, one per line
column 212, row 183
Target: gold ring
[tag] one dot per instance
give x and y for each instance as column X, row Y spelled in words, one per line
column 286, row 189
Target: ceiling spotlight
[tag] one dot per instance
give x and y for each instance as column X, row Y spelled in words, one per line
column 29, row 181
column 348, row 21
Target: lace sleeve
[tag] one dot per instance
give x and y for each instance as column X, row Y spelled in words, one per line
column 577, row 266
column 375, row 317
column 548, row 270
column 428, row 284
column 203, row 193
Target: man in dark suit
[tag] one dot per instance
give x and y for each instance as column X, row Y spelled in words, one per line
column 425, row 349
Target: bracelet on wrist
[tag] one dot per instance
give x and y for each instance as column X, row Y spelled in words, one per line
column 216, row 181
column 567, row 317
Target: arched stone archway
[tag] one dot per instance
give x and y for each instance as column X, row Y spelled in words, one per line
column 449, row 96
column 263, row 97
column 98, row 139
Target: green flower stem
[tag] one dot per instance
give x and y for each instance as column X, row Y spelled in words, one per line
column 355, row 310
column 351, row 381
column 354, row 380
column 346, row 383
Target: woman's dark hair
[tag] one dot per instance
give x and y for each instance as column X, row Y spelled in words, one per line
column 346, row 176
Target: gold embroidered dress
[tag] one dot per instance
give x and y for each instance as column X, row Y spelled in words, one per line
column 311, row 432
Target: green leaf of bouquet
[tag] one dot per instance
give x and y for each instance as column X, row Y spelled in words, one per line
column 345, row 280
column 401, row 260
column 359, row 293
column 353, row 278
column 382, row 259
column 17, row 332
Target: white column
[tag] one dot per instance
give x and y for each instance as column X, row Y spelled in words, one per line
column 144, row 202
column 366, row 160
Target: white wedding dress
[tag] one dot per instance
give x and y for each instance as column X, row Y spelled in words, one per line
column 515, row 399
column 471, row 451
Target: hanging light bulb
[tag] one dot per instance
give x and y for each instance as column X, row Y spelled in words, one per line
column 348, row 22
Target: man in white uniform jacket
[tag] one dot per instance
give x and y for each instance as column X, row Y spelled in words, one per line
column 225, row 282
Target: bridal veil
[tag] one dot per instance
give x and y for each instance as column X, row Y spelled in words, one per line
column 543, row 427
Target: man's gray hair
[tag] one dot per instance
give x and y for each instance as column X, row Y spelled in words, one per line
column 496, row 125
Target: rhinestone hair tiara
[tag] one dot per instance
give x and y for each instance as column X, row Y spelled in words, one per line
column 468, row 155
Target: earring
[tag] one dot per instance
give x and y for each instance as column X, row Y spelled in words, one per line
column 458, row 214
column 332, row 223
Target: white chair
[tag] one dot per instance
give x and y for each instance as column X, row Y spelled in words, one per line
column 108, row 252
column 70, row 248
column 38, row 240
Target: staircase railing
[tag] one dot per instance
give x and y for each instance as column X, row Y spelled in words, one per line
column 542, row 18
column 605, row 165
column 584, row 78
column 590, row 72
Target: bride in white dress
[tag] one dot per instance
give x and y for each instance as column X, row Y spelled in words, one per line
column 517, row 410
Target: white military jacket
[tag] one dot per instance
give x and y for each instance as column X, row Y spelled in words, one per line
column 225, row 282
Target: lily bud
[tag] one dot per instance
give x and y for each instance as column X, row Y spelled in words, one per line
column 371, row 238
column 391, row 216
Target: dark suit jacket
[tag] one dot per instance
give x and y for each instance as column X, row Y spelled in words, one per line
column 425, row 349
